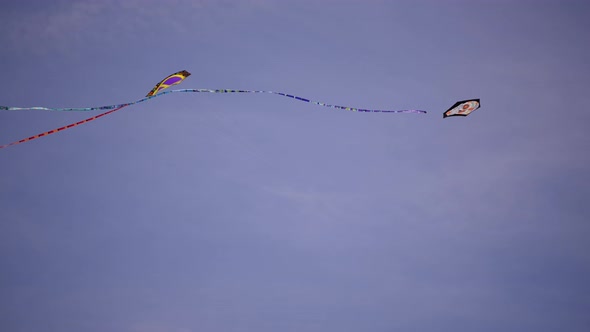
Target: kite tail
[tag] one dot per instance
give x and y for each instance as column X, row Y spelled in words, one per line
column 347, row 108
column 109, row 107
column 61, row 128
column 354, row 109
column 112, row 108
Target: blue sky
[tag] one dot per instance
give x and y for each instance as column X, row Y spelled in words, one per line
column 200, row 212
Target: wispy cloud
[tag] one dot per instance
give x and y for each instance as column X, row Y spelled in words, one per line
column 63, row 26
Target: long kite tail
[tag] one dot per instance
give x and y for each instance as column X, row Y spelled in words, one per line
column 61, row 128
column 354, row 109
column 110, row 107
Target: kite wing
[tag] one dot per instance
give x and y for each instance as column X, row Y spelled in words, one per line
column 462, row 108
column 169, row 81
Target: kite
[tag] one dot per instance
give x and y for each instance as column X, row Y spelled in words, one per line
column 169, row 81
column 462, row 108
column 458, row 109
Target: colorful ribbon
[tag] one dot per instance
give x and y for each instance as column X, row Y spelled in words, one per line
column 112, row 108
